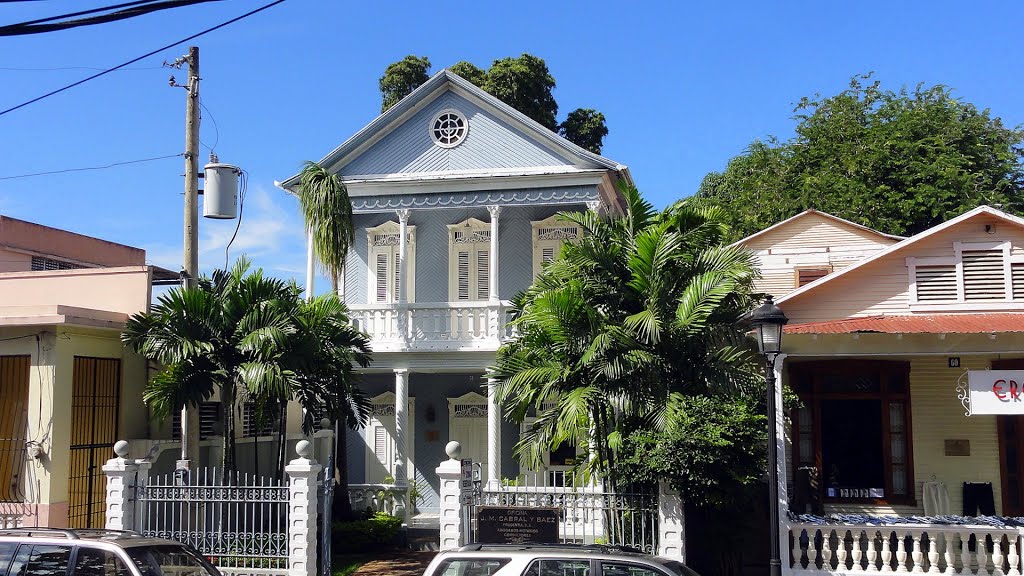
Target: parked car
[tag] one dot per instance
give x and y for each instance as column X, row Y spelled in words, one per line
column 58, row 552
column 552, row 560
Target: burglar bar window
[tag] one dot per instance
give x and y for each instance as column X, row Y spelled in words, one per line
column 209, row 415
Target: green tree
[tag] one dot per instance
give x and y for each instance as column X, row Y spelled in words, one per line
column 327, row 211
column 900, row 162
column 629, row 321
column 401, row 78
column 586, row 128
column 525, row 83
column 244, row 335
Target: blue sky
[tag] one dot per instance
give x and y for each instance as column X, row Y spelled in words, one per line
column 684, row 86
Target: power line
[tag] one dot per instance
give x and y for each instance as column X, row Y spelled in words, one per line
column 91, row 167
column 60, row 68
column 144, row 56
column 131, row 10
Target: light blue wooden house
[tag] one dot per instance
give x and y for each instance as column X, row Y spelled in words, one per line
column 455, row 195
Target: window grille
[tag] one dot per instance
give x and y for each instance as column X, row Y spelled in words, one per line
column 40, row 263
column 209, row 415
column 253, row 425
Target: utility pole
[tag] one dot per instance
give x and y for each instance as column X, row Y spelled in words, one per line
column 190, row 266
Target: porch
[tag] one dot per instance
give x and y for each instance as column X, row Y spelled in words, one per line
column 437, row 326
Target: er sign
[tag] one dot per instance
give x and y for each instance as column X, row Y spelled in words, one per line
column 996, row 391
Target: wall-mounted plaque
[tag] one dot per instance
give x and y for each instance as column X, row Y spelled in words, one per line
column 958, row 447
column 516, row 525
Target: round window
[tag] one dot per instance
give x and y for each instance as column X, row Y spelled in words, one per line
column 449, row 129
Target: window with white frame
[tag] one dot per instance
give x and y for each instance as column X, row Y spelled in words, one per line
column 548, row 236
column 976, row 272
column 384, row 260
column 469, row 260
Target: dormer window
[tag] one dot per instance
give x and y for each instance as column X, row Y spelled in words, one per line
column 548, row 236
column 469, row 262
column 384, row 258
column 977, row 272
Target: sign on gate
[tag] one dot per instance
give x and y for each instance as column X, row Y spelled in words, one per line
column 516, row 525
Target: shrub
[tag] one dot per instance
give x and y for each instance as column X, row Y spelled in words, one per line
column 376, row 532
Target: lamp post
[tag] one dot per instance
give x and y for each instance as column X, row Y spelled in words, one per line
column 768, row 320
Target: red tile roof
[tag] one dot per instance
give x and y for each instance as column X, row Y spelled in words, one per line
column 917, row 324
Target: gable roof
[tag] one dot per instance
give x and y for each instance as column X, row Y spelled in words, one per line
column 811, row 212
column 987, row 210
column 440, row 82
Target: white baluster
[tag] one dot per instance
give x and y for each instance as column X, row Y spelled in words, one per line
column 901, row 552
column 947, row 552
column 812, row 553
column 916, row 556
column 997, row 554
column 981, row 553
column 841, row 550
column 965, row 552
column 797, row 553
column 826, row 549
column 933, row 552
column 856, row 552
column 1012, row 557
column 872, row 552
column 886, row 551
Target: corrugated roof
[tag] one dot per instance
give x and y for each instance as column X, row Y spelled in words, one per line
column 917, row 324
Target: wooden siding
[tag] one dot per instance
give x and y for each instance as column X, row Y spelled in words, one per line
column 810, row 241
column 490, row 143
column 515, row 249
column 937, row 416
column 883, row 286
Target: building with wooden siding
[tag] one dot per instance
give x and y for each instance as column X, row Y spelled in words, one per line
column 455, row 196
column 878, row 351
column 68, row 388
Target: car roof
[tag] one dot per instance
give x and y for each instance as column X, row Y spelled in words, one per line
column 118, row 538
column 599, row 551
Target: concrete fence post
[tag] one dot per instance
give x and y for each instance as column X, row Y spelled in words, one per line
column 450, row 475
column 671, row 523
column 123, row 476
column 303, row 474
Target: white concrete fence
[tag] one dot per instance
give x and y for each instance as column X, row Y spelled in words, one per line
column 126, row 476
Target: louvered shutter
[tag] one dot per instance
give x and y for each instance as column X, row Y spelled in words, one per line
column 398, row 271
column 983, row 275
column 483, row 275
column 462, row 281
column 547, row 254
column 936, row 283
column 382, row 277
column 1017, row 269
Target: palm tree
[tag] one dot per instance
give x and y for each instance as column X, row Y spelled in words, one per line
column 638, row 313
column 241, row 334
column 327, row 211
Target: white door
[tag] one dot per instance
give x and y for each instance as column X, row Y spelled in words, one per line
column 467, row 423
column 379, row 436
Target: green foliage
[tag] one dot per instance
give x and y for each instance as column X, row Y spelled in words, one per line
column 586, row 128
column 525, row 83
column 401, row 78
column 711, row 449
column 628, row 321
column 900, row 162
column 327, row 211
column 376, row 532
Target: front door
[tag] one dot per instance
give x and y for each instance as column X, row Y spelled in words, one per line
column 381, row 443
column 1011, row 451
column 467, row 423
column 95, row 411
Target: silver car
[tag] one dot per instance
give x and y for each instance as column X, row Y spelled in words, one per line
column 57, row 552
column 551, row 560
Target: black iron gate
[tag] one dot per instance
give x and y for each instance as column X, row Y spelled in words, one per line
column 95, row 412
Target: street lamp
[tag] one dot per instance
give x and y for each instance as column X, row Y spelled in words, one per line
column 768, row 320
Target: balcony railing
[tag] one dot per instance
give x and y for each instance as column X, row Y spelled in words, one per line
column 433, row 326
column 939, row 549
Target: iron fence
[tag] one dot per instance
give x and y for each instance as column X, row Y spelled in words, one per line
column 241, row 526
column 587, row 514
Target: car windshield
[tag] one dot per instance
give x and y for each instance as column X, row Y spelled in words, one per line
column 679, row 568
column 169, row 560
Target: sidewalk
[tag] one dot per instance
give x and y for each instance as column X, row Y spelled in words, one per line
column 401, row 563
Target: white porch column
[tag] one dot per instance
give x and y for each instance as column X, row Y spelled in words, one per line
column 493, row 435
column 403, row 253
column 493, row 288
column 401, row 426
column 310, row 266
column 780, row 442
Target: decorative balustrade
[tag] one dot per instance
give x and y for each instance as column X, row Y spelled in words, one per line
column 11, row 520
column 433, row 326
column 936, row 549
column 376, row 497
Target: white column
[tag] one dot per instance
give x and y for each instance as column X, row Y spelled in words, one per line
column 401, row 425
column 493, row 288
column 122, row 476
column 671, row 523
column 303, row 474
column 310, row 267
column 594, row 206
column 780, row 435
column 493, row 435
column 403, row 254
column 449, row 473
